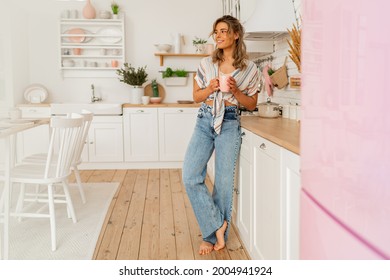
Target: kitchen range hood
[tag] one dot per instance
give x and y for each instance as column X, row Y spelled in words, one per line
column 270, row 20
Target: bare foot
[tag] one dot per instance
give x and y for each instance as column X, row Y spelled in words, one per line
column 220, row 234
column 205, row 248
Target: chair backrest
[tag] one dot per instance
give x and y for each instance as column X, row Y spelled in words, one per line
column 87, row 116
column 66, row 130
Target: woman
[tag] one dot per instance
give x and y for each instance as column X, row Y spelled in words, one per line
column 218, row 128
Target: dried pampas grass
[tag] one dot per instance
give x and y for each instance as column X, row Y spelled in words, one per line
column 295, row 46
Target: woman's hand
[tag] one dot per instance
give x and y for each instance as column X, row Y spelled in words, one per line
column 233, row 86
column 214, row 85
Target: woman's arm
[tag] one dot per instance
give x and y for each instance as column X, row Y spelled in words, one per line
column 200, row 95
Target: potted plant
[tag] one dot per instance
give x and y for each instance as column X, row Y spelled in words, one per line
column 135, row 78
column 176, row 77
column 199, row 44
column 115, row 10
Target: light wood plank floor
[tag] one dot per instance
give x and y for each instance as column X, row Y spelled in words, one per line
column 150, row 218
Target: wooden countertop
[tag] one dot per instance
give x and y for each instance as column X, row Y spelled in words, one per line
column 281, row 131
column 162, row 105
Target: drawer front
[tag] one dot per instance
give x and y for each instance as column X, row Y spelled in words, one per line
column 35, row 112
column 266, row 146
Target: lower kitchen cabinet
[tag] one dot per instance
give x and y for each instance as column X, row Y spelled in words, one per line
column 266, row 194
column 34, row 140
column 175, row 130
column 140, row 128
column 268, row 187
column 105, row 140
column 244, row 191
column 291, row 185
column 157, row 134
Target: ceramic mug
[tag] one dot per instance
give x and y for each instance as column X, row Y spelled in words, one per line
column 145, row 99
column 223, row 83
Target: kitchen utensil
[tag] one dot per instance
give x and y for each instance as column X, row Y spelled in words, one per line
column 185, row 101
column 268, row 109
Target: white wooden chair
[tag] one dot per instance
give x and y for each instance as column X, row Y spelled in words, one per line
column 56, row 170
column 40, row 158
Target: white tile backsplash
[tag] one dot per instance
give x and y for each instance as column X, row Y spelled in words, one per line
column 285, row 95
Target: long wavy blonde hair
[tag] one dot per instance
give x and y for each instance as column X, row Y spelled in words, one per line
column 239, row 54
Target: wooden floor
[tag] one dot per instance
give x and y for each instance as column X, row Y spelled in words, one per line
column 150, row 218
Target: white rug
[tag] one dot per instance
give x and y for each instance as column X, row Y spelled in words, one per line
column 30, row 239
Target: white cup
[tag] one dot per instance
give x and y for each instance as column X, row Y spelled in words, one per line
column 145, row 100
column 15, row 114
column 286, row 111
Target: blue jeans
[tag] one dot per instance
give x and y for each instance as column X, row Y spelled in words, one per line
column 212, row 209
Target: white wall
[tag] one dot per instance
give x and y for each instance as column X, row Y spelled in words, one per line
column 147, row 22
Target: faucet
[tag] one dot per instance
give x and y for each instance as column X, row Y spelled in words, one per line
column 93, row 97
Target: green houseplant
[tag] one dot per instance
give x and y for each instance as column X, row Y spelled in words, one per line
column 199, row 44
column 115, row 9
column 177, row 77
column 135, row 78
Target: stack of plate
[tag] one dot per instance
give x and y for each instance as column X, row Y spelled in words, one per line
column 35, row 93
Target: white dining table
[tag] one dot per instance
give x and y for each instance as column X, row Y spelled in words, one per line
column 8, row 130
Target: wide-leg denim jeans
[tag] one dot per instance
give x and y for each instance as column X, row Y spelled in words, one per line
column 212, row 209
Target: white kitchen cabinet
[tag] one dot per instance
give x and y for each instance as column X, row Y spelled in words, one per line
column 35, row 140
column 291, row 185
column 267, row 200
column 140, row 126
column 244, row 192
column 105, row 140
column 91, row 47
column 176, row 126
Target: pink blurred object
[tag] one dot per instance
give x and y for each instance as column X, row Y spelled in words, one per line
column 268, row 82
column 345, row 155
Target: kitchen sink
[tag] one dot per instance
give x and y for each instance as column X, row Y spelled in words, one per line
column 97, row 108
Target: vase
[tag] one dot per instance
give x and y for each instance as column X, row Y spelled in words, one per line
column 136, row 94
column 89, row 11
column 200, row 48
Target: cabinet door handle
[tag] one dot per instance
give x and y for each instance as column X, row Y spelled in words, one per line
column 243, row 134
column 180, row 111
column 263, row 146
column 91, row 142
column 140, row 111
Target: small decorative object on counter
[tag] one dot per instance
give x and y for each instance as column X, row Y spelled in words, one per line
column 155, row 88
column 199, row 44
column 115, row 10
column 135, row 78
column 89, row 11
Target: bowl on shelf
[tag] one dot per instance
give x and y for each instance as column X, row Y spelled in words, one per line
column 163, row 48
column 155, row 100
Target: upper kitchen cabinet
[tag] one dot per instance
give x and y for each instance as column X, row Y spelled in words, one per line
column 269, row 19
column 91, row 47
